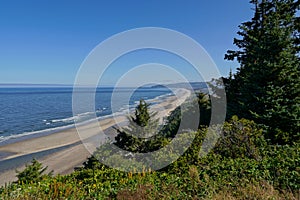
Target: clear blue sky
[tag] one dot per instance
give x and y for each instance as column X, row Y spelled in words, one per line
column 46, row 41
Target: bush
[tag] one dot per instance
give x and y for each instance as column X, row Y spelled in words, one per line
column 240, row 166
column 240, row 138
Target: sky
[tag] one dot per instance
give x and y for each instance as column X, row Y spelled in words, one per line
column 45, row 42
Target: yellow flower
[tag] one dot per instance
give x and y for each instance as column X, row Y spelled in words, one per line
column 130, row 175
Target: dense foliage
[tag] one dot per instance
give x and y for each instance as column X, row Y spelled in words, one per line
column 141, row 128
column 254, row 170
column 266, row 87
column 32, row 173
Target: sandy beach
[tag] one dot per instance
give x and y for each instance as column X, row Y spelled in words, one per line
column 64, row 150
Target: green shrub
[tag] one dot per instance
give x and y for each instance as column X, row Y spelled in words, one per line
column 240, row 138
column 240, row 166
column 283, row 163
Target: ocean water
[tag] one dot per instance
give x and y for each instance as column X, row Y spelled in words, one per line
column 25, row 111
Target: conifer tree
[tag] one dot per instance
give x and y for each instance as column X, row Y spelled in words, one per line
column 32, row 173
column 142, row 126
column 266, row 87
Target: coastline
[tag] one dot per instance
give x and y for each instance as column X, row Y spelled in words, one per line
column 63, row 151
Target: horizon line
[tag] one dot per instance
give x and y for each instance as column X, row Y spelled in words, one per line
column 38, row 85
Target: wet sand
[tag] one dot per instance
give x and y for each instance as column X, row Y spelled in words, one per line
column 64, row 150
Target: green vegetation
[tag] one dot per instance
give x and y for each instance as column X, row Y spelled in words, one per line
column 257, row 156
column 266, row 87
column 142, row 125
column 32, row 173
column 254, row 170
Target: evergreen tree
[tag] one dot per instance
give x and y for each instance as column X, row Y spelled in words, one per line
column 266, row 87
column 32, row 173
column 142, row 126
column 204, row 108
column 92, row 163
column 142, row 116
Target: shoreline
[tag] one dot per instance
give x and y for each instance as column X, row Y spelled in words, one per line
column 44, row 132
column 62, row 151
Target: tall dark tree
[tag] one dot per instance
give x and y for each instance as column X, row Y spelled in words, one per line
column 204, row 108
column 266, row 87
column 142, row 126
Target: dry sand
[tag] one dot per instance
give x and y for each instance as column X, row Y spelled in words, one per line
column 62, row 151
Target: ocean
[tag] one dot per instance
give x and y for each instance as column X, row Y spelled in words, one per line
column 36, row 110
